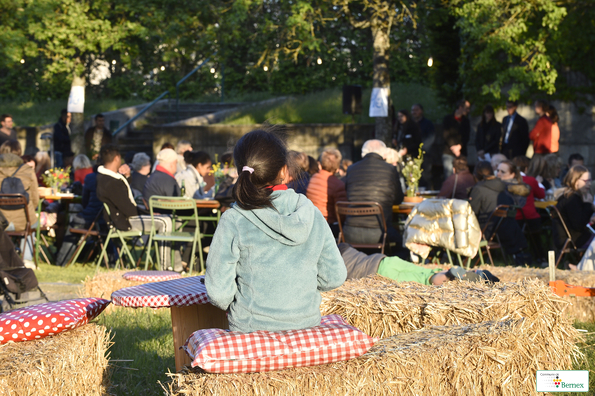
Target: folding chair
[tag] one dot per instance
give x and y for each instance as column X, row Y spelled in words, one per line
column 569, row 246
column 501, row 212
column 92, row 232
column 174, row 204
column 362, row 208
column 121, row 235
column 19, row 202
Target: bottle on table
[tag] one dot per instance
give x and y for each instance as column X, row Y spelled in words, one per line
column 183, row 189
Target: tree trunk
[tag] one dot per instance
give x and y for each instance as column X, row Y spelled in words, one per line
column 380, row 32
column 77, row 124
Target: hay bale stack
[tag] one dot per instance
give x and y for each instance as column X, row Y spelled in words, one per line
column 105, row 283
column 70, row 363
column 382, row 308
column 489, row 358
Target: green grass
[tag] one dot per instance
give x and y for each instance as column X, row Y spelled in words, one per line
column 326, row 107
column 44, row 113
column 143, row 336
column 76, row 273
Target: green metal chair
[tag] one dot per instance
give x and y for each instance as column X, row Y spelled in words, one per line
column 174, row 204
column 121, row 235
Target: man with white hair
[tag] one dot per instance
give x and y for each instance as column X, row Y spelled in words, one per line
column 372, row 179
column 181, row 148
column 162, row 182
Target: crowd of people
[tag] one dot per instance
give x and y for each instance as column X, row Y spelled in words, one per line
column 502, row 175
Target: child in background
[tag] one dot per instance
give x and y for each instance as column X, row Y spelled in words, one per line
column 273, row 252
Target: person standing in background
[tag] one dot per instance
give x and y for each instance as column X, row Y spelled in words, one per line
column 515, row 132
column 62, row 145
column 96, row 137
column 487, row 140
column 428, row 136
column 541, row 135
column 7, row 130
column 552, row 113
column 456, row 131
column 408, row 136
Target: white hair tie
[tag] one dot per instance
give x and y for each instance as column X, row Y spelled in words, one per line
column 247, row 168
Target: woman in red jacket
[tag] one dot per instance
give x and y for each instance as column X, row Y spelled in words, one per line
column 544, row 142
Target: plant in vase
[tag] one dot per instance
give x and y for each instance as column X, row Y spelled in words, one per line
column 219, row 173
column 412, row 172
column 56, row 178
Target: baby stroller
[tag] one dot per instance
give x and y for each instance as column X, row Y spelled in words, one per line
column 18, row 284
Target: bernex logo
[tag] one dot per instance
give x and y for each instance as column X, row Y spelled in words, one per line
column 562, row 381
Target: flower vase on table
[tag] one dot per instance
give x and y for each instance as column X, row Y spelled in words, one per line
column 55, row 178
column 412, row 172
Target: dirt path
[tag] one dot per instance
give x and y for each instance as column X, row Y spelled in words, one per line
column 57, row 291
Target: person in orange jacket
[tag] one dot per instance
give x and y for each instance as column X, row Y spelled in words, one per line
column 545, row 139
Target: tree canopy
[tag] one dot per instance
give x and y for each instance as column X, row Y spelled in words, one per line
column 484, row 50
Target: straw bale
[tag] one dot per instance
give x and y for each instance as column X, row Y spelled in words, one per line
column 489, row 358
column 381, row 307
column 105, row 283
column 71, row 363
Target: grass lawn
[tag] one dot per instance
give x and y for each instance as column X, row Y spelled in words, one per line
column 326, row 107
column 44, row 113
column 76, row 273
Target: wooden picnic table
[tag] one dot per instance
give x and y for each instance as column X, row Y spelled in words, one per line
column 189, row 304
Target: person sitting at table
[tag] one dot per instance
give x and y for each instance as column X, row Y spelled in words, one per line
column 82, row 167
column 43, row 163
column 11, row 165
column 359, row 265
column 83, row 219
column 459, row 183
column 225, row 193
column 372, row 179
column 299, row 173
column 193, row 177
column 325, row 189
column 162, row 181
column 114, row 191
column 141, row 167
column 485, row 196
column 576, row 208
column 272, row 253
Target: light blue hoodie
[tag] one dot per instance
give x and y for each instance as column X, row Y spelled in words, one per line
column 267, row 267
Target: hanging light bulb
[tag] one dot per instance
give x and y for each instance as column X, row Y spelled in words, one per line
column 212, row 70
column 162, row 68
column 265, row 68
column 319, row 61
column 430, row 61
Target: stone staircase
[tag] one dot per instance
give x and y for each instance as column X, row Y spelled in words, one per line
column 141, row 140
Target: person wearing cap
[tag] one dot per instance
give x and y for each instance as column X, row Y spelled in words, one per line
column 114, row 191
column 162, row 181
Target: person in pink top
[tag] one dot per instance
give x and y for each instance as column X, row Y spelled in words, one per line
column 544, row 137
column 325, row 189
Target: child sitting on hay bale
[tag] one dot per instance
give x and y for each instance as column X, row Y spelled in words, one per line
column 273, row 252
column 359, row 265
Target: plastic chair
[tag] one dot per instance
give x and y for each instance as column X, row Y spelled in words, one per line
column 569, row 246
column 121, row 235
column 174, row 204
column 501, row 212
column 19, row 202
column 92, row 232
column 362, row 208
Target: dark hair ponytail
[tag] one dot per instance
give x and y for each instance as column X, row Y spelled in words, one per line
column 265, row 152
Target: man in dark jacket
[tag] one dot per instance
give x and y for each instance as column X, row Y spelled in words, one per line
column 428, row 136
column 96, row 137
column 372, row 179
column 162, row 181
column 62, row 146
column 114, row 191
column 515, row 132
column 456, row 130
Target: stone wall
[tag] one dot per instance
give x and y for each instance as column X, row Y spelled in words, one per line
column 310, row 138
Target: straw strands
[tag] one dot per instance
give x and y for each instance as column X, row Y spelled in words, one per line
column 71, row 363
column 461, row 338
column 105, row 283
column 489, row 358
column 381, row 307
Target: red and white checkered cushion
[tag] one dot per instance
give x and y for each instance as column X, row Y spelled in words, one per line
column 151, row 276
column 42, row 320
column 224, row 351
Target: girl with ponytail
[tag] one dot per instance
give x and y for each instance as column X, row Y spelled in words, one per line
column 273, row 252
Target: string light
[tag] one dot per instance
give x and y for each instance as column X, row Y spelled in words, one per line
column 114, row 62
column 319, row 61
column 430, row 61
column 265, row 68
column 162, row 68
column 22, row 61
column 212, row 70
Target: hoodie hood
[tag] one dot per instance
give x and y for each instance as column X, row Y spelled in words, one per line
column 10, row 160
column 290, row 223
column 494, row 184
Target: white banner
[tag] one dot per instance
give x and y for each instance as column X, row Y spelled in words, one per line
column 379, row 102
column 76, row 100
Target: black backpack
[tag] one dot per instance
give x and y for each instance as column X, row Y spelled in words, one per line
column 18, row 280
column 13, row 185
